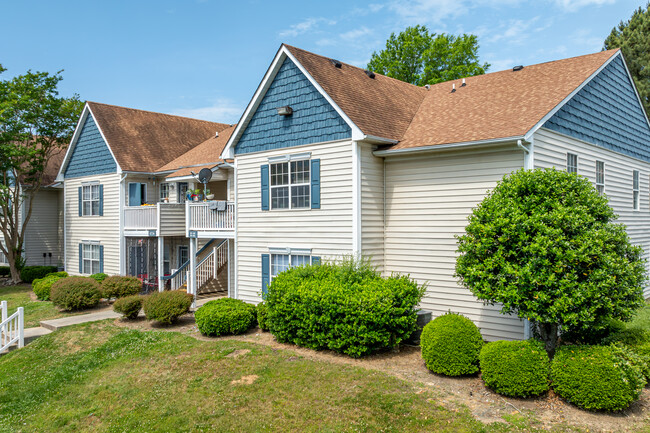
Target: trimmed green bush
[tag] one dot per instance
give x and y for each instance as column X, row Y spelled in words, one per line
column 595, row 377
column 451, row 344
column 166, row 307
column 225, row 316
column 262, row 316
column 515, row 368
column 30, row 273
column 61, row 274
column 346, row 307
column 129, row 306
column 643, row 351
column 5, row 271
column 99, row 277
column 634, row 336
column 42, row 286
column 75, row 293
column 119, row 287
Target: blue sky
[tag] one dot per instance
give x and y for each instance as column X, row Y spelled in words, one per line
column 205, row 58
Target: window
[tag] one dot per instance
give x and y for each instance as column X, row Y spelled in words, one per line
column 282, row 262
column 635, row 189
column 182, row 191
column 3, row 258
column 90, row 200
column 183, row 254
column 90, row 258
column 600, row 177
column 571, row 163
column 164, row 191
column 290, row 185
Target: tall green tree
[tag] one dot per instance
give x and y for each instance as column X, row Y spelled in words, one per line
column 633, row 38
column 35, row 123
column 419, row 57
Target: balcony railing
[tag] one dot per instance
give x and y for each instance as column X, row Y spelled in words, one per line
column 141, row 217
column 211, row 216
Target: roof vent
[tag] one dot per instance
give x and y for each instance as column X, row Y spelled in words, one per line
column 336, row 63
column 517, row 68
column 285, row 111
column 369, row 73
column 453, row 88
column 427, row 86
column 216, row 134
column 464, row 83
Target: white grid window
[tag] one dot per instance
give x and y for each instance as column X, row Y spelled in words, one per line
column 290, row 185
column 600, row 177
column 90, row 257
column 3, row 258
column 571, row 162
column 282, row 262
column 90, row 200
column 635, row 189
column 164, row 191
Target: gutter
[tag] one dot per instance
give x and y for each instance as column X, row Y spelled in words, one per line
column 437, row 147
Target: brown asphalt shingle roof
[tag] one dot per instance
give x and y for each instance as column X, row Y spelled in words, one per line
column 144, row 141
column 496, row 105
column 52, row 167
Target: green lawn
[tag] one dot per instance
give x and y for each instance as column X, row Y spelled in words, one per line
column 99, row 377
column 35, row 311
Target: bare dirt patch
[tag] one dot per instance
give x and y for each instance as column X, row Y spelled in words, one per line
column 245, row 380
column 237, row 353
column 406, row 363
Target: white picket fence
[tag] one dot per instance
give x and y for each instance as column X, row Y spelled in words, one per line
column 12, row 328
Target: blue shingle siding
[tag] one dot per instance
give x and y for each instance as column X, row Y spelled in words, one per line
column 607, row 113
column 313, row 120
column 90, row 155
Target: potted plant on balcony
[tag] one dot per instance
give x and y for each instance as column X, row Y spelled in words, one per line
column 208, row 194
column 196, row 194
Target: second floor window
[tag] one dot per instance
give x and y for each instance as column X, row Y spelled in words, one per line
column 164, row 192
column 571, row 162
column 635, row 189
column 90, row 200
column 600, row 177
column 290, row 185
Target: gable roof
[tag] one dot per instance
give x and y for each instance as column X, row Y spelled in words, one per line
column 52, row 167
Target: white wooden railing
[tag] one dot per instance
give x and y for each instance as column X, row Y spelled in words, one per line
column 141, row 217
column 205, row 269
column 12, row 328
column 221, row 253
column 206, row 216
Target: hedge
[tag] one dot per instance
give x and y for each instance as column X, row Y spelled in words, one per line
column 596, row 377
column 5, row 271
column 30, row 273
column 451, row 344
column 262, row 316
column 129, row 306
column 347, row 308
column 166, row 307
column 42, row 286
column 515, row 368
column 75, row 293
column 118, row 287
column 225, row 316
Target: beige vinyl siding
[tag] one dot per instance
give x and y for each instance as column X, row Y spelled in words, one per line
column 172, row 219
column 428, row 199
column 372, row 206
column 42, row 232
column 105, row 229
column 327, row 231
column 550, row 151
column 153, row 191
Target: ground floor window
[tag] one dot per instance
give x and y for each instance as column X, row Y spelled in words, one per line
column 91, row 258
column 3, row 258
column 282, row 262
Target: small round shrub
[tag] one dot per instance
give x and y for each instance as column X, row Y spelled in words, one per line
column 515, row 368
column 166, row 307
column 262, row 316
column 451, row 345
column 61, row 274
column 119, row 287
column 42, row 286
column 595, row 377
column 225, row 316
column 129, row 306
column 634, row 336
column 99, row 277
column 75, row 293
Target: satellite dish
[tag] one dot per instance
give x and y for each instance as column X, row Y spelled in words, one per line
column 205, row 175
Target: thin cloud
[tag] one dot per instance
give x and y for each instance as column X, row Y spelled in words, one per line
column 305, row 26
column 574, row 5
column 223, row 111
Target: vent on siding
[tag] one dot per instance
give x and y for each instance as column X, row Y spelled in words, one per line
column 336, row 63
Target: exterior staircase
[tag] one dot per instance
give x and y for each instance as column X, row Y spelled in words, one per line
column 208, row 279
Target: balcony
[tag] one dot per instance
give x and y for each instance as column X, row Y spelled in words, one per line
column 211, row 219
column 162, row 219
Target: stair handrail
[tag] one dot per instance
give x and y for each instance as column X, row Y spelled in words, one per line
column 12, row 328
column 187, row 262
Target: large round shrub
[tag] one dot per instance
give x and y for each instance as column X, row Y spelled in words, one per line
column 343, row 307
column 75, row 293
column 129, row 306
column 225, row 316
column 118, row 287
column 42, row 286
column 262, row 316
column 451, row 344
column 595, row 377
column 515, row 368
column 544, row 244
column 166, row 307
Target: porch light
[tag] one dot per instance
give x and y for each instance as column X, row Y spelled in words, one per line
column 285, row 111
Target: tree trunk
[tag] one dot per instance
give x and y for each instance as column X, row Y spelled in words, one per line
column 549, row 334
column 15, row 273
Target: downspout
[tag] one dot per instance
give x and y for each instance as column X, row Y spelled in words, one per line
column 528, row 165
column 122, row 254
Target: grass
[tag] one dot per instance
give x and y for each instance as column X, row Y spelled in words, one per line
column 642, row 318
column 35, row 311
column 102, row 378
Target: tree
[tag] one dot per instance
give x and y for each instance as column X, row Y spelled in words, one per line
column 35, row 123
column 544, row 244
column 633, row 38
column 419, row 57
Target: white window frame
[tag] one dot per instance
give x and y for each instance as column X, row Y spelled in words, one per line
column 163, row 191
column 600, row 177
column 88, row 259
column 289, row 161
column 292, row 254
column 90, row 187
column 635, row 190
column 569, row 167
